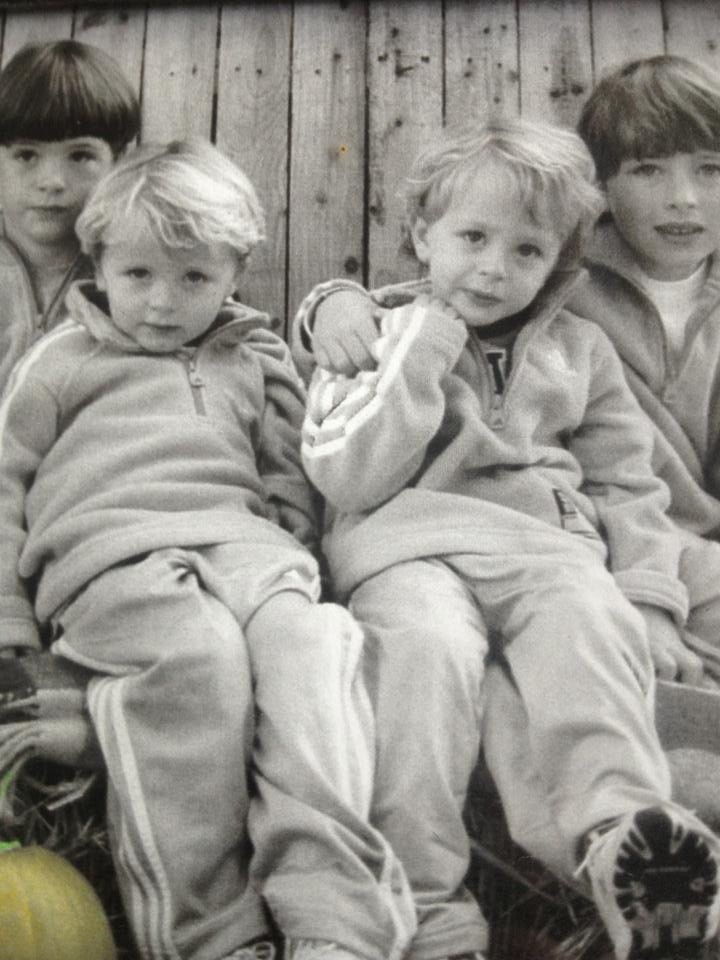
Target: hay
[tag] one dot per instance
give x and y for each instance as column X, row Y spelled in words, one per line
column 48, row 805
column 531, row 915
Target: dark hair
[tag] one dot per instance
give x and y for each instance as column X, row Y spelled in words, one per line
column 654, row 107
column 66, row 89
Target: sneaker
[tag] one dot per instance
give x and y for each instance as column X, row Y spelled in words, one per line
column 317, row 950
column 255, row 950
column 655, row 879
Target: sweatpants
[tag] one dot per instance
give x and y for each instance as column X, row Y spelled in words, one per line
column 506, row 739
column 577, row 653
column 184, row 706
column 426, row 649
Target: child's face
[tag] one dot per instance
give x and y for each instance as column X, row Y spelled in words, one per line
column 668, row 211
column 487, row 257
column 43, row 187
column 163, row 297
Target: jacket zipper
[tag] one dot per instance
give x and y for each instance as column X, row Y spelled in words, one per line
column 495, row 401
column 197, row 386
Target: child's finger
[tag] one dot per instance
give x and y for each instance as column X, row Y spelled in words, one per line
column 359, row 351
column 334, row 358
column 665, row 665
column 689, row 668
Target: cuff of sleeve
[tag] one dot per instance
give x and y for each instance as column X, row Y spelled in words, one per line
column 313, row 300
column 656, row 590
column 441, row 325
column 19, row 634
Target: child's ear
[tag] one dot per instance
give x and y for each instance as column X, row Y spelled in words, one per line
column 418, row 232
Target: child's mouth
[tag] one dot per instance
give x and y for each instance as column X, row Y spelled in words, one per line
column 483, row 299
column 679, row 229
column 50, row 213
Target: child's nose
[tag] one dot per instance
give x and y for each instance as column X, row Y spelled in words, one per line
column 161, row 295
column 490, row 262
column 51, row 175
column 682, row 190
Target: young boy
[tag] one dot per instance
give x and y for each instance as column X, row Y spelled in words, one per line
column 654, row 287
column 152, row 492
column 66, row 113
column 490, row 469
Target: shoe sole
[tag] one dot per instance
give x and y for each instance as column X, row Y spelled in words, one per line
column 665, row 886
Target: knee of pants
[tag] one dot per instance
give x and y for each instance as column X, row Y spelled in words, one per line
column 426, row 606
column 425, row 642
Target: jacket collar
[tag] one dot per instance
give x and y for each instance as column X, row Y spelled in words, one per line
column 88, row 306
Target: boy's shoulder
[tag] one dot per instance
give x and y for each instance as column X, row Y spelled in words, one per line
column 255, row 330
column 52, row 359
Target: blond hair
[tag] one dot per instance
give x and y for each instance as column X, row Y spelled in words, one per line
column 551, row 167
column 189, row 192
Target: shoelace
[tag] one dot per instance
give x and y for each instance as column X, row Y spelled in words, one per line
column 593, row 841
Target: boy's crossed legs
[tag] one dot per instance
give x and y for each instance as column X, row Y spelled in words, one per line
column 185, row 703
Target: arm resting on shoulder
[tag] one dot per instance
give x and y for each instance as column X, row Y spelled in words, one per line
column 365, row 437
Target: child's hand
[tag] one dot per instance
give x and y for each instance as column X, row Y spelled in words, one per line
column 344, row 331
column 672, row 659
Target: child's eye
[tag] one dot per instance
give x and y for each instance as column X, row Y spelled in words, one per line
column 195, row 277
column 138, row 273
column 83, row 156
column 645, row 170
column 474, row 236
column 25, row 155
column 710, row 170
column 528, row 250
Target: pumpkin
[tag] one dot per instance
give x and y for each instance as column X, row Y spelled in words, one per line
column 48, row 910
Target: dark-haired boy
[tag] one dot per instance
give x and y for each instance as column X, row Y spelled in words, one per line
column 66, row 113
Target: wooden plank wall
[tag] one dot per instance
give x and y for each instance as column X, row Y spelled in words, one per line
column 324, row 103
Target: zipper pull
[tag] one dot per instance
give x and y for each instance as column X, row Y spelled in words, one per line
column 497, row 413
column 193, row 376
column 197, row 385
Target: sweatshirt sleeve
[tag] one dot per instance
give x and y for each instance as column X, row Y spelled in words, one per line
column 614, row 448
column 291, row 500
column 28, row 418
column 302, row 325
column 365, row 437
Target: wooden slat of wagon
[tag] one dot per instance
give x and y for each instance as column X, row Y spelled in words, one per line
column 36, row 27
column 178, row 83
column 119, row 32
column 555, row 59
column 693, row 30
column 328, row 146
column 252, row 128
column 405, row 110
column 625, row 31
column 481, row 60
